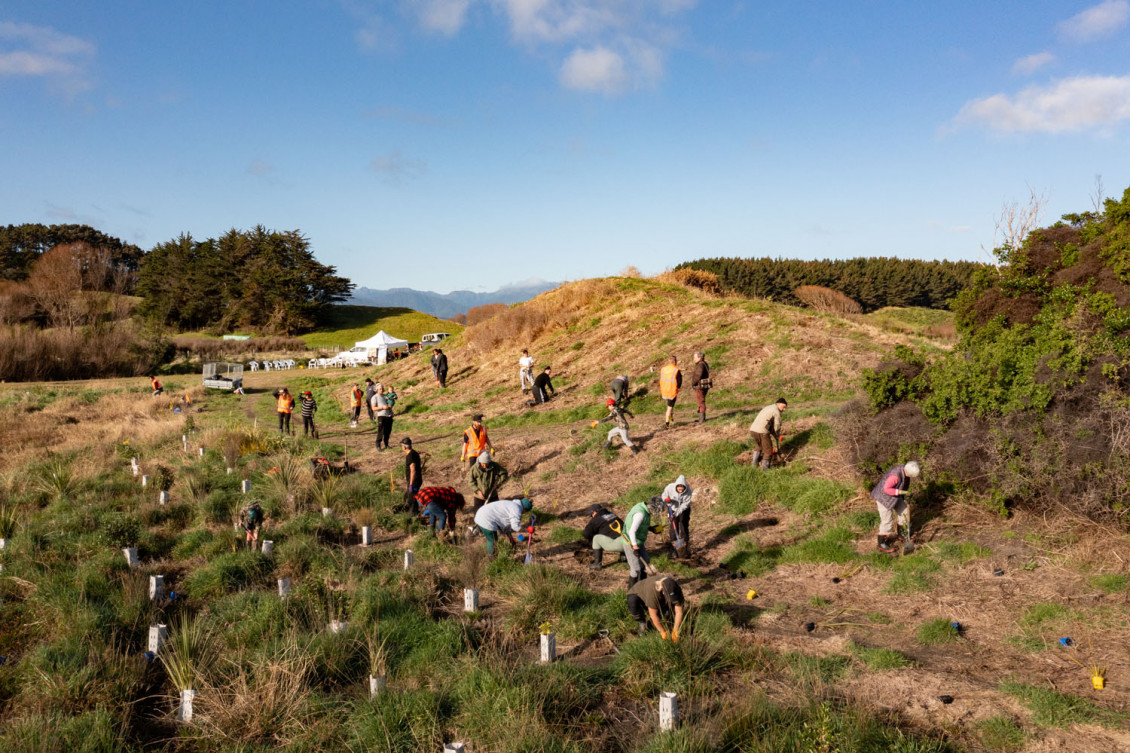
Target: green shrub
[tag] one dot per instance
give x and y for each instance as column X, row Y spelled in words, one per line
column 228, row 572
column 120, row 531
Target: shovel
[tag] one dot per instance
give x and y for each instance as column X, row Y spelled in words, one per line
column 648, row 567
column 530, row 539
column 908, row 543
column 677, row 539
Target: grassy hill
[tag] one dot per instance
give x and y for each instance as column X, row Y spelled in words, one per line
column 345, row 325
column 270, row 675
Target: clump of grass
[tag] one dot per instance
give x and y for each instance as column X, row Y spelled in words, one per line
column 833, row 545
column 815, row 672
column 1001, row 734
column 748, row 557
column 963, row 552
column 912, row 574
column 9, row 521
column 228, row 572
column 880, row 659
column 1106, row 583
column 1053, row 709
column 564, row 535
column 936, row 632
column 191, row 649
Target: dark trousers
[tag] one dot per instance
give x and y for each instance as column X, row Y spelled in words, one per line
column 356, row 413
column 384, row 430
column 442, row 377
column 284, row 423
column 638, row 609
column 307, row 425
column 682, row 523
column 540, row 395
column 700, row 398
column 410, row 505
column 369, row 407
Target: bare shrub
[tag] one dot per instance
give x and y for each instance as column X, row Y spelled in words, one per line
column 16, row 303
column 692, row 278
column 826, row 300
column 459, row 319
column 69, row 282
column 553, row 310
column 631, row 271
column 480, row 314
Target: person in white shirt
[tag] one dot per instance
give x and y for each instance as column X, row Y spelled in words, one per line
column 526, row 371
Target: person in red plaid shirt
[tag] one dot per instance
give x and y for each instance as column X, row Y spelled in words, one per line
column 439, row 504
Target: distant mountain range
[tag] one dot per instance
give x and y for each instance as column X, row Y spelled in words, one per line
column 447, row 305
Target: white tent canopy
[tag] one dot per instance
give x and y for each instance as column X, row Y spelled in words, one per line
column 381, row 342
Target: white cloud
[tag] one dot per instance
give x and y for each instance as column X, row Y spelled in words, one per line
column 27, row 50
column 1097, row 21
column 395, row 169
column 1070, row 105
column 598, row 69
column 443, row 16
column 1028, row 65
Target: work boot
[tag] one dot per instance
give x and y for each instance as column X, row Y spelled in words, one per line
column 597, row 559
column 607, row 445
column 756, row 458
column 641, row 627
column 635, row 450
column 765, row 464
column 702, row 417
column 633, row 580
column 885, row 545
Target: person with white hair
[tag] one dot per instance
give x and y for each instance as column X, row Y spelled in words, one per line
column 889, row 494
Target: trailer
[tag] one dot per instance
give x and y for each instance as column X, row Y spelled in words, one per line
column 223, row 376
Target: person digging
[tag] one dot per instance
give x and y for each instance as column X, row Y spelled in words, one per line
column 677, row 498
column 619, row 415
column 638, row 525
column 600, row 534
column 889, row 495
column 503, row 517
column 251, row 520
column 487, row 477
column 440, row 504
column 766, row 426
column 653, row 599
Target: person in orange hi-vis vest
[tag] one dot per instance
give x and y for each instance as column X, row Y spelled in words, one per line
column 475, row 440
column 670, row 380
column 285, row 407
column 155, row 385
column 356, row 398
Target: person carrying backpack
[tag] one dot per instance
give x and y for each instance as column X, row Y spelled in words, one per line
column 251, row 519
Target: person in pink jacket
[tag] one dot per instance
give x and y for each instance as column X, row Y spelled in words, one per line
column 889, row 494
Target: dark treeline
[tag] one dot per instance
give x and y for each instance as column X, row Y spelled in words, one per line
column 260, row 279
column 872, row 282
column 22, row 245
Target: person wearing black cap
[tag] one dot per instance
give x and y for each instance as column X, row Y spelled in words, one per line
column 543, row 387
column 601, row 536
column 657, row 597
column 766, row 426
column 309, row 405
column 413, row 475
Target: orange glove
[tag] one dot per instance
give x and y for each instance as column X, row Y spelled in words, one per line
column 592, row 425
column 674, row 636
column 663, row 635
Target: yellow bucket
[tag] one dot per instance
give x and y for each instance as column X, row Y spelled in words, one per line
column 751, row 594
column 1097, row 681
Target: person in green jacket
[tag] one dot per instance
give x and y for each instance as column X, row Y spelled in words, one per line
column 637, row 524
column 487, row 477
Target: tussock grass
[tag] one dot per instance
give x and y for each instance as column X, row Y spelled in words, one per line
column 937, row 632
column 1001, row 734
column 880, row 659
column 1053, row 709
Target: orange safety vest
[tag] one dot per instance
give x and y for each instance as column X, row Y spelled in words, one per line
column 154, row 384
column 475, row 443
column 286, row 403
column 668, row 381
column 357, row 396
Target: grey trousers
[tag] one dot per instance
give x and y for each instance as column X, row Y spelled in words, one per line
column 619, row 545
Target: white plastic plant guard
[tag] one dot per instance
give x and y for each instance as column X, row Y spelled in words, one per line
column 157, row 636
column 470, row 599
column 409, row 559
column 548, row 648
column 668, row 711
column 326, row 512
column 376, row 685
column 245, row 485
column 3, row 543
column 268, row 548
column 184, row 712
column 284, row 586
column 130, row 553
column 162, row 498
column 338, row 627
column 366, row 535
column 144, row 480
column 156, row 587
column 453, row 748
column 201, row 452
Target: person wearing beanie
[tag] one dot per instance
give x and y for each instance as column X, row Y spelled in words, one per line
column 889, row 495
column 309, row 406
column 655, row 598
column 619, row 415
column 503, row 517
column 487, row 477
column 766, row 426
column 599, row 533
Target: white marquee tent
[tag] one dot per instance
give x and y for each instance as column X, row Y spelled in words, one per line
column 380, row 343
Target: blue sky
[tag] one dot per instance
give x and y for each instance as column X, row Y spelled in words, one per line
column 450, row 144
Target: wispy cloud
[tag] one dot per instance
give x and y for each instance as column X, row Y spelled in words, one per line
column 395, row 169
column 1029, row 64
column 27, row 50
column 1097, row 21
column 1073, row 104
column 598, row 69
column 259, row 168
column 442, row 16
